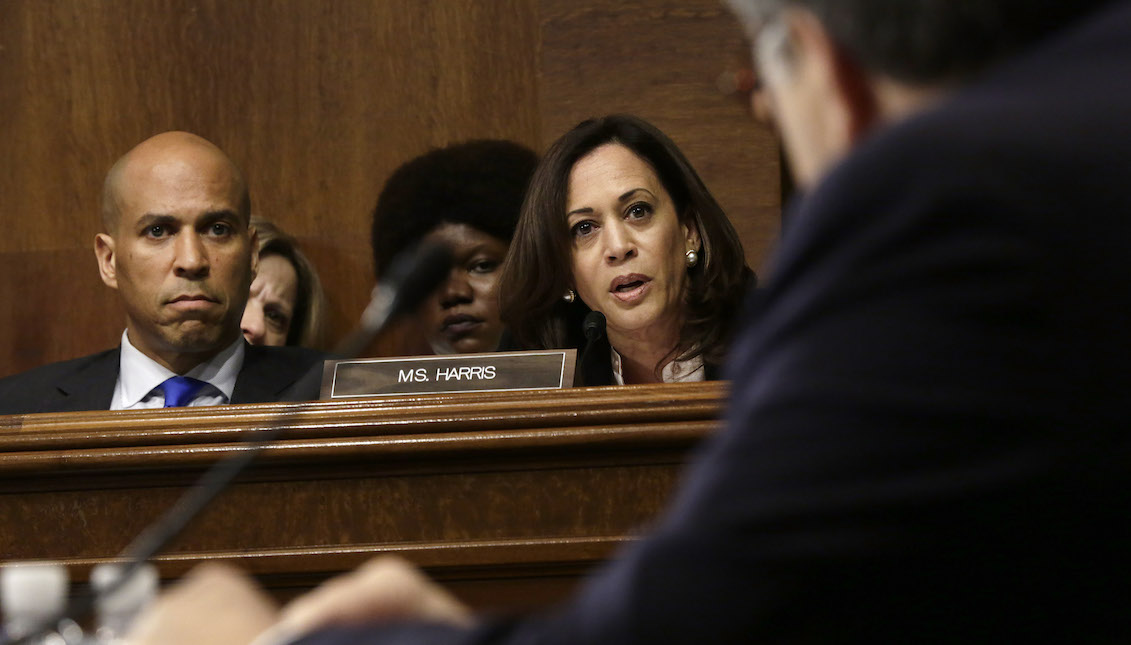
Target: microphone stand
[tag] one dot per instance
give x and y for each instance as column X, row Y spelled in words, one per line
column 593, row 327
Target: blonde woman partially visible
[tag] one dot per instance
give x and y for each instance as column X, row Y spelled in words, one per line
column 287, row 302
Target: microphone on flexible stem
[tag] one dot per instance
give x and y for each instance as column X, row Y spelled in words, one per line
column 594, row 329
column 412, row 277
column 593, row 326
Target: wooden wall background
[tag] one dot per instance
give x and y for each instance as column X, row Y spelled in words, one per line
column 318, row 102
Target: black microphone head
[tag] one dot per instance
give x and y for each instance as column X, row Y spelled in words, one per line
column 593, row 326
column 415, row 273
column 412, row 276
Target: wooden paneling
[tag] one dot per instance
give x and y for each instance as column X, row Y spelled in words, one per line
column 507, row 497
column 52, row 302
column 318, row 102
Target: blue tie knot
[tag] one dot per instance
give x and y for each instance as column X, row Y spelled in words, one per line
column 180, row 390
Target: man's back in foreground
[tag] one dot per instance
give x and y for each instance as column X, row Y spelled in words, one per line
column 930, row 416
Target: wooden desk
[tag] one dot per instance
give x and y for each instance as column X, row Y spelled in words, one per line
column 508, row 498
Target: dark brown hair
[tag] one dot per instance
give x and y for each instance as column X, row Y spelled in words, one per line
column 537, row 271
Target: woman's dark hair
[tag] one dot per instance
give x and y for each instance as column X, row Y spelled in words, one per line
column 537, row 271
column 310, row 301
column 479, row 183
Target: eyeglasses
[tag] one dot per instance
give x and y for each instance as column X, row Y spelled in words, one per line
column 771, row 47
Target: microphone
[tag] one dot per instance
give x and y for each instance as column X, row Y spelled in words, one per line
column 412, row 277
column 594, row 326
column 594, row 329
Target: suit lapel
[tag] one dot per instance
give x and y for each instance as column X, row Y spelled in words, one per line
column 91, row 387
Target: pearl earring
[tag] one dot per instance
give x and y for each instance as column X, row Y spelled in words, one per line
column 692, row 258
column 569, row 296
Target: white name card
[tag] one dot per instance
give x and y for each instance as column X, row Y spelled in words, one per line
column 493, row 372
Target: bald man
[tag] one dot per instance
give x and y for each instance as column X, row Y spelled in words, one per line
column 178, row 248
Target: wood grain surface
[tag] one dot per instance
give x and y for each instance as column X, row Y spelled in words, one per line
column 319, row 102
column 507, row 497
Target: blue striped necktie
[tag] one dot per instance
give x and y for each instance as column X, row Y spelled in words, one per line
column 180, row 390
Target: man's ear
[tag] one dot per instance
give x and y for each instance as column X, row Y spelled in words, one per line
column 858, row 95
column 851, row 88
column 104, row 252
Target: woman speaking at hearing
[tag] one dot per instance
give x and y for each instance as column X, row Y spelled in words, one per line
column 616, row 221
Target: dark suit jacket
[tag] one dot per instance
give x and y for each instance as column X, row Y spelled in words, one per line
column 594, row 365
column 268, row 374
column 929, row 438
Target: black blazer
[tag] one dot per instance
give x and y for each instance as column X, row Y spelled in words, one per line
column 928, row 438
column 594, row 365
column 268, row 374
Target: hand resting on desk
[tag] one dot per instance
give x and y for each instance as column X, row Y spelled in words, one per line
column 223, row 606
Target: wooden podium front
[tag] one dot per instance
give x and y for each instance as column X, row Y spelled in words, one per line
column 506, row 498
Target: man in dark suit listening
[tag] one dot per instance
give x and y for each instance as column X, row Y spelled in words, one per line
column 929, row 438
column 178, row 248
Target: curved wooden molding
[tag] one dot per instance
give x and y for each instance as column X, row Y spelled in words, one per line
column 507, row 497
column 390, row 415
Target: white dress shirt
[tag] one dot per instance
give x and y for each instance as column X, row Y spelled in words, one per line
column 674, row 372
column 139, row 376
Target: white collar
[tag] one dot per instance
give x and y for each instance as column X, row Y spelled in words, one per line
column 689, row 371
column 139, row 374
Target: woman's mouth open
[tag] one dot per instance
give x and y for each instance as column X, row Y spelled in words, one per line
column 630, row 288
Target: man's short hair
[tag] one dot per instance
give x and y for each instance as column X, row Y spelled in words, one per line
column 110, row 198
column 924, row 42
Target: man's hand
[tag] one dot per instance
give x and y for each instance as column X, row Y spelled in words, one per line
column 219, row 605
column 387, row 588
column 214, row 604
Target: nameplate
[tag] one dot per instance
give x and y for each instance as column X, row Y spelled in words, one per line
column 494, row 372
